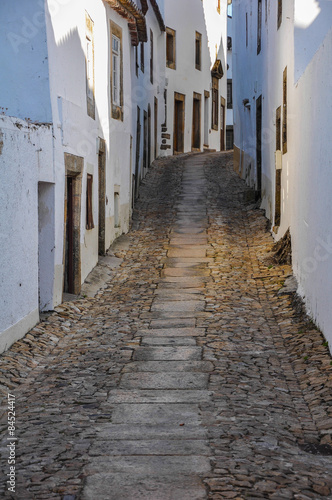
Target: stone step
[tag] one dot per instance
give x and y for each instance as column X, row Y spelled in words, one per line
column 145, row 486
column 156, row 413
column 168, row 341
column 162, row 305
column 162, row 380
column 173, row 332
column 167, row 353
column 150, row 447
column 169, row 366
column 118, row 396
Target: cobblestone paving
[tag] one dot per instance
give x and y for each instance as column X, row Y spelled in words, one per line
column 189, row 376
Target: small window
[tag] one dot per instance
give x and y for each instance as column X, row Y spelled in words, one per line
column 89, row 211
column 247, row 28
column 116, row 75
column 198, row 51
column 278, row 129
column 279, row 13
column 215, row 103
column 229, row 94
column 259, row 27
column 151, row 56
column 116, row 69
column 170, row 48
column 136, row 60
column 284, row 114
column 116, row 209
column 142, row 57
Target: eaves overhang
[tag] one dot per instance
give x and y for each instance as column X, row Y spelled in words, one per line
column 135, row 17
column 159, row 17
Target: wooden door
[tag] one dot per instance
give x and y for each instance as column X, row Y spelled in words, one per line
column 101, row 195
column 69, row 256
column 178, row 133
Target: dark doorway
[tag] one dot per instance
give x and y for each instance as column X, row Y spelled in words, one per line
column 145, row 140
column 155, row 127
column 72, row 250
column 138, row 145
column 196, row 134
column 222, row 127
column 259, row 146
column 149, row 135
column 179, row 103
column 102, row 196
column 69, row 248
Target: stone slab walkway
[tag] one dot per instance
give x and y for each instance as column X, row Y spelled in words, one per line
column 188, row 376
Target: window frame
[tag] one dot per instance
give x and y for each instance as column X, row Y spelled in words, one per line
column 229, row 94
column 215, row 103
column 198, row 51
column 89, row 202
column 284, row 112
column 279, row 13
column 171, row 63
column 259, row 25
column 116, row 104
column 151, row 56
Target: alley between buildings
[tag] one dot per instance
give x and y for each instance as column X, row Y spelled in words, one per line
column 190, row 375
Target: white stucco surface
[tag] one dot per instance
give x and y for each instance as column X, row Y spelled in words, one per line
column 20, row 148
column 303, row 44
column 186, row 18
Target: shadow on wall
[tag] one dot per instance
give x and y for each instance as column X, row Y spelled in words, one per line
column 312, row 22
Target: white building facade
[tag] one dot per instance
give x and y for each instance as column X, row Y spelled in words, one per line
column 67, row 151
column 196, row 76
column 282, row 96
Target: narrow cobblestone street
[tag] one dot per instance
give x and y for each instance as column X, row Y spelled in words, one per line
column 189, row 376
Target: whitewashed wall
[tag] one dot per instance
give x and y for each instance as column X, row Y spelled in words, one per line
column 143, row 91
column 24, row 149
column 303, row 43
column 75, row 131
column 187, row 17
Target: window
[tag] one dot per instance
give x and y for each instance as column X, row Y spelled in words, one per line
column 279, row 13
column 215, row 102
column 151, row 56
column 170, row 48
column 247, row 34
column 259, row 27
column 278, row 129
column 116, row 209
column 116, row 72
column 277, row 207
column 198, row 51
column 116, row 69
column 229, row 94
column 89, row 211
column 90, row 76
column 136, row 60
column 142, row 57
column 284, row 116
